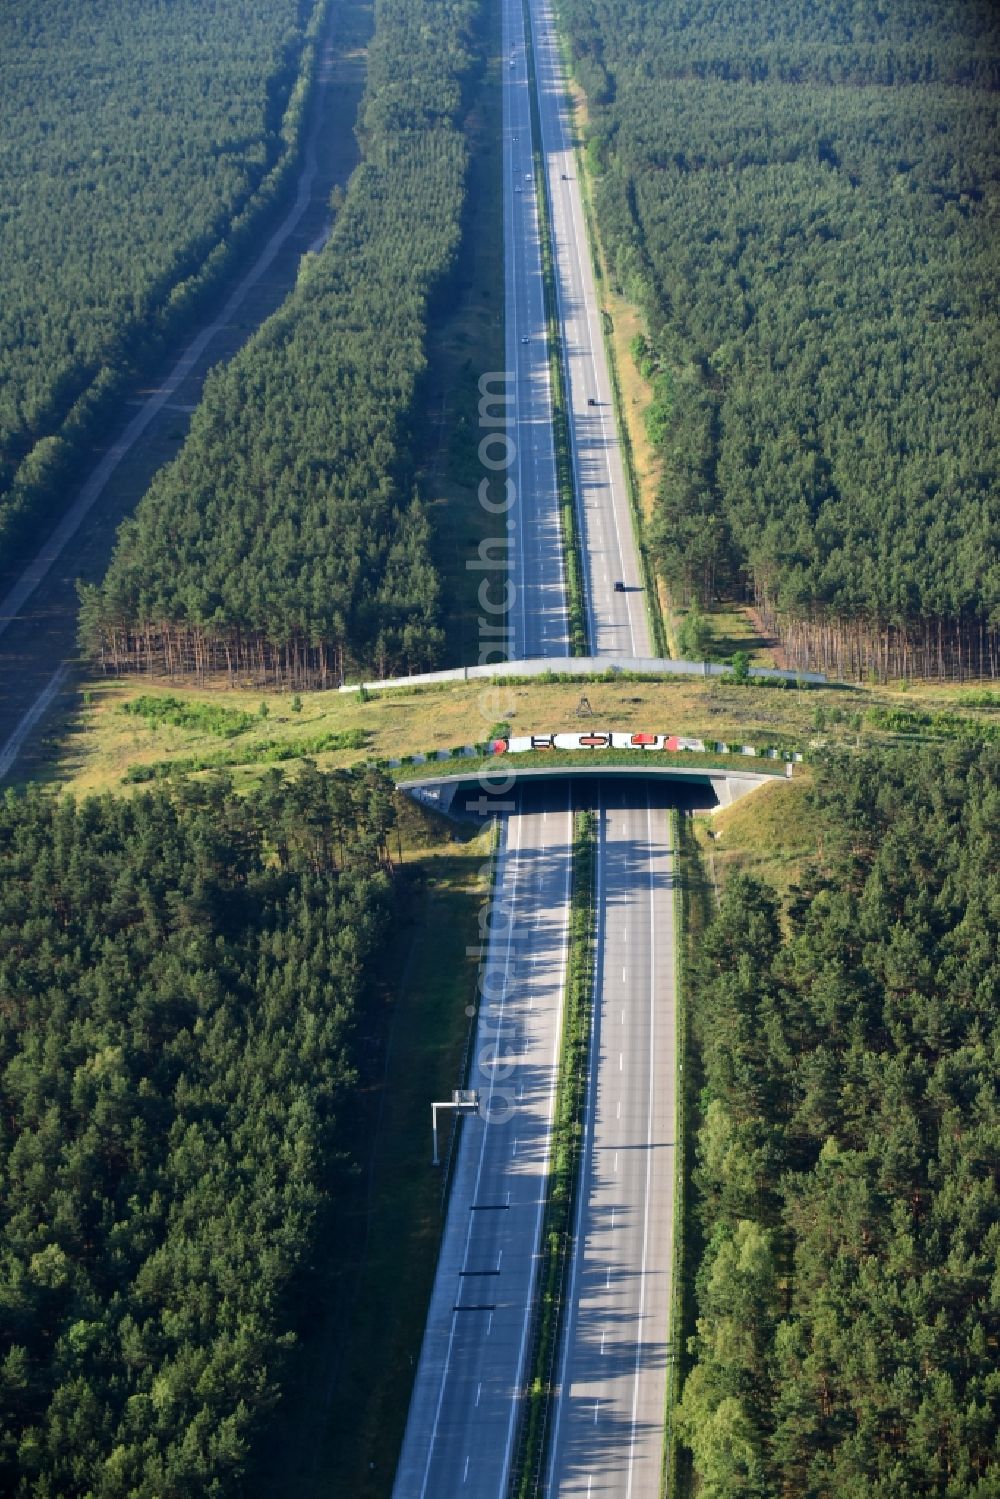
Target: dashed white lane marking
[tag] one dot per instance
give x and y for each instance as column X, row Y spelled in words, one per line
column 604, row 1333
column 597, row 1406
column 616, row 1163
column 621, row 1061
column 465, row 1475
column 514, row 1151
column 479, row 1391
column 619, row 1114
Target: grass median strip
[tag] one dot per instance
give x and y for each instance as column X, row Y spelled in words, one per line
column 564, row 1177
column 688, row 888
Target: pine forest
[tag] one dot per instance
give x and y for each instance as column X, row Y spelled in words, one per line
column 286, row 541
column 803, row 198
column 183, row 974
column 142, row 144
column 847, row 1185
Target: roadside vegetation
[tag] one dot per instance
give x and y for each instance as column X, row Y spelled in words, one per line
column 286, row 542
column 143, row 151
column 801, row 208
column 339, row 1427
column 843, row 1231
column 101, row 742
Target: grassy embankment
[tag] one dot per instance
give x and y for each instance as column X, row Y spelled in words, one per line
column 337, row 1433
column 99, row 744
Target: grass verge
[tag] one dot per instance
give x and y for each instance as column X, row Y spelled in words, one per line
column 338, row 1432
column 568, row 512
column 695, row 908
column 770, row 835
column 654, row 613
column 567, row 1137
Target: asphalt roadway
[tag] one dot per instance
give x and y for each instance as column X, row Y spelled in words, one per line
column 616, row 621
column 606, row 1436
column 538, row 621
column 463, row 1413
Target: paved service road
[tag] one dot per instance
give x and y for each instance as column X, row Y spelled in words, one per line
column 538, row 622
column 463, row 1414
column 607, row 1419
column 616, row 622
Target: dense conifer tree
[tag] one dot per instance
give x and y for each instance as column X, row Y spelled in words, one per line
column 802, row 199
column 847, row 1183
column 181, row 974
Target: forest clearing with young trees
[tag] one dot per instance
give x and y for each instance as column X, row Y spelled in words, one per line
column 802, row 200
column 183, row 977
column 286, row 541
column 847, row 1188
column 140, row 149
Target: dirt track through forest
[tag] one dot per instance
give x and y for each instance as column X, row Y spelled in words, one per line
column 38, row 609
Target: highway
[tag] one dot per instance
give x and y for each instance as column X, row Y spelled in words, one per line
column 463, row 1413
column 606, row 1432
column 462, row 1421
column 606, row 1436
column 539, row 620
column 616, row 621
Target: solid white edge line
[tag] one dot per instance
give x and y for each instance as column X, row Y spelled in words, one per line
column 649, row 1140
column 482, row 1155
column 542, row 1194
column 542, row 21
column 566, row 1340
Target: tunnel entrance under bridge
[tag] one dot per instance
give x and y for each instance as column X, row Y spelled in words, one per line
column 484, row 795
